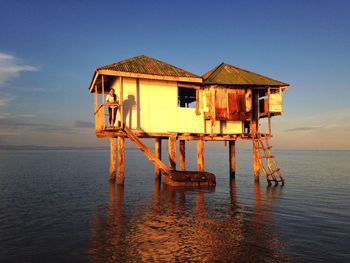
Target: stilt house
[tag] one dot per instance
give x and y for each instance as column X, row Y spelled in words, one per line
column 158, row 100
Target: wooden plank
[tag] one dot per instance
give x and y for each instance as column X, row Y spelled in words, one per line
column 172, row 152
column 112, row 158
column 121, row 152
column 232, row 158
column 148, row 76
column 200, row 155
column 182, row 159
column 158, row 154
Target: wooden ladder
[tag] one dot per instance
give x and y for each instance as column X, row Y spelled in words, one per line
column 272, row 172
column 147, row 151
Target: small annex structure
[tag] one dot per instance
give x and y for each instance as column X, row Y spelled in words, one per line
column 158, row 100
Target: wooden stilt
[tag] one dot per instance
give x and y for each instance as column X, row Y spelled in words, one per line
column 232, row 158
column 182, row 144
column 172, row 152
column 200, row 155
column 158, row 154
column 112, row 158
column 256, row 161
column 120, row 177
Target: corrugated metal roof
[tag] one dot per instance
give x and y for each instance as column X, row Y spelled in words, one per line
column 146, row 65
column 230, row 75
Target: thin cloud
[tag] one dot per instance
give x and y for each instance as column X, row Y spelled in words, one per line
column 4, row 102
column 83, row 124
column 11, row 67
column 26, row 115
column 305, row 128
column 13, row 124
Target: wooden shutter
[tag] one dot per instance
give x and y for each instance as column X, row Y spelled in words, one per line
column 236, row 105
column 221, row 104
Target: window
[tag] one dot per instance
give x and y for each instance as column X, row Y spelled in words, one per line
column 186, row 97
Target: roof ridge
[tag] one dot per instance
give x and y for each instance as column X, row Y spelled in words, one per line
column 233, row 75
column 251, row 72
column 147, row 65
column 121, row 61
column 212, row 71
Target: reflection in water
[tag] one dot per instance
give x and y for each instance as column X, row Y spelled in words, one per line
column 185, row 225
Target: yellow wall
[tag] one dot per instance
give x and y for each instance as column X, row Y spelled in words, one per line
column 157, row 110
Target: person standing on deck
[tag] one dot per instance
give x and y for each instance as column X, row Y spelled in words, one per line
column 112, row 101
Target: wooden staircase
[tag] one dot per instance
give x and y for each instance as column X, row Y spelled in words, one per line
column 149, row 154
column 173, row 177
column 268, row 163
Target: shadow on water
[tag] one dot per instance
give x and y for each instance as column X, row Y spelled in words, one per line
column 185, row 225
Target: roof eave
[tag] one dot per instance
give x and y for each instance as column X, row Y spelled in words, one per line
column 284, row 86
column 92, row 83
column 147, row 76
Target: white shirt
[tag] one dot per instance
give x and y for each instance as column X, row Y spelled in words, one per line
column 110, row 99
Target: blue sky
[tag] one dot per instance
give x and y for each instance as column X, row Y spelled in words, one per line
column 49, row 50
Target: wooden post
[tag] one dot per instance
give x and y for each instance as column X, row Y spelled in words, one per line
column 182, row 146
column 95, row 99
column 172, row 152
column 256, row 162
column 103, row 100
column 268, row 111
column 200, row 155
column 121, row 101
column 158, row 154
column 112, row 158
column 120, row 177
column 232, row 158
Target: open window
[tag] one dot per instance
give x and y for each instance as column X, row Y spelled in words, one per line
column 187, row 97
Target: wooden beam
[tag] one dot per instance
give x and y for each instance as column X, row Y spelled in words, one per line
column 121, row 152
column 224, row 137
column 232, row 158
column 158, row 154
column 189, row 86
column 148, row 76
column 182, row 159
column 112, row 158
column 172, row 152
column 94, row 78
column 200, row 155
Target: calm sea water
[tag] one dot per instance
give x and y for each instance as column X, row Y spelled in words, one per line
column 57, row 206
